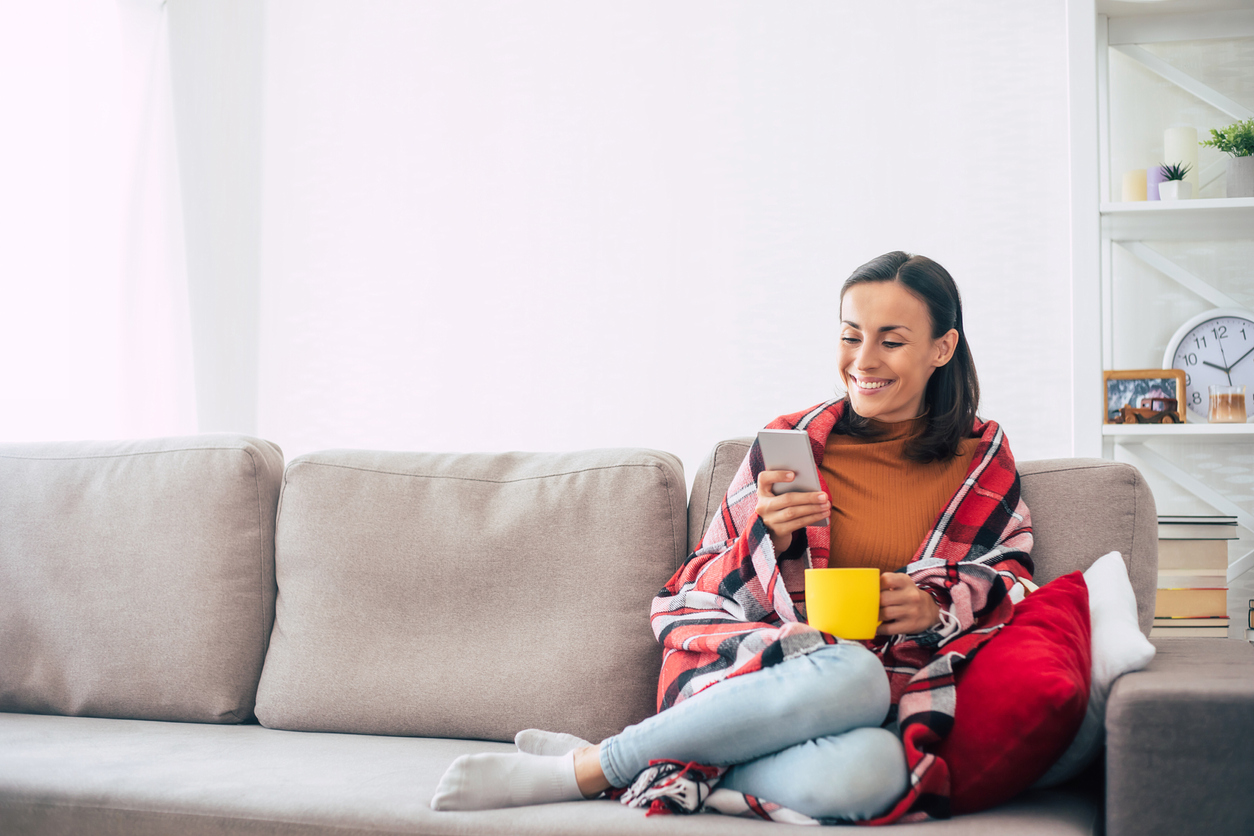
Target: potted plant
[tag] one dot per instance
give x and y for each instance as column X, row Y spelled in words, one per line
column 1174, row 186
column 1237, row 141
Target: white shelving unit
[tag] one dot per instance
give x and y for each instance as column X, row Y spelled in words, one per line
column 1213, row 218
column 1140, row 269
column 1221, row 433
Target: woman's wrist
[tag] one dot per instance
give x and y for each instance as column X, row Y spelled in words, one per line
column 938, row 605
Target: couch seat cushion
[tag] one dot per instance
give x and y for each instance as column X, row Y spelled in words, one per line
column 143, row 778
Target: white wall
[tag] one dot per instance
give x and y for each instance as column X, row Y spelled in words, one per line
column 93, row 301
column 555, row 225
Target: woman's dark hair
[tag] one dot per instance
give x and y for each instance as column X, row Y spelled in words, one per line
column 953, row 391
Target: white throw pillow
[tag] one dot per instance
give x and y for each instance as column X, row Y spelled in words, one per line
column 1119, row 647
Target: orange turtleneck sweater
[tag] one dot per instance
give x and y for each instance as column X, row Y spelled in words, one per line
column 883, row 504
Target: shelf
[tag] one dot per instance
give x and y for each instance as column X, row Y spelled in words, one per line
column 1204, row 218
column 1123, row 8
column 1217, row 433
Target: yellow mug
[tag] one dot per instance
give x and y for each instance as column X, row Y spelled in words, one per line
column 843, row 602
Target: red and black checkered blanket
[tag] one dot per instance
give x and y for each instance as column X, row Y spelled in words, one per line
column 728, row 610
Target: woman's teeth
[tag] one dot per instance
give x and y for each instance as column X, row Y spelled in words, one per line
column 868, row 385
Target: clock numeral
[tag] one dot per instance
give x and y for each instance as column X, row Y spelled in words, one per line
column 1188, row 380
column 1190, row 359
column 1196, row 398
column 1221, row 332
column 1199, row 342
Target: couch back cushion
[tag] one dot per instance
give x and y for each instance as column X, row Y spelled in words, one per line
column 1081, row 509
column 470, row 595
column 137, row 577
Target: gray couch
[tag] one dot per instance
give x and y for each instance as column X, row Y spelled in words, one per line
column 196, row 640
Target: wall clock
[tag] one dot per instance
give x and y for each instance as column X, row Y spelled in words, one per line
column 1216, row 346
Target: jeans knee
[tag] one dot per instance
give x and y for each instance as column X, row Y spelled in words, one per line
column 857, row 775
column 857, row 675
column 885, row 775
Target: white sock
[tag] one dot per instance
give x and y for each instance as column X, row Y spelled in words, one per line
column 490, row 781
column 537, row 742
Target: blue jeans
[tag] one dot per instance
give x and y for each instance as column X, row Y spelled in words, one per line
column 804, row 733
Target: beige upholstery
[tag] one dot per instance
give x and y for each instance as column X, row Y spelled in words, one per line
column 471, row 595
column 120, row 778
column 444, row 596
column 1176, row 734
column 136, row 577
column 1081, row 509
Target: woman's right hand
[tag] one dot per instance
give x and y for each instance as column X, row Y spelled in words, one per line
column 788, row 512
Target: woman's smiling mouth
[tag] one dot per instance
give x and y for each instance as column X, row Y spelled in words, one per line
column 869, row 384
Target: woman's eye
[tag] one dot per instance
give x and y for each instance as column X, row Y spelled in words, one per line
column 893, row 345
column 850, row 340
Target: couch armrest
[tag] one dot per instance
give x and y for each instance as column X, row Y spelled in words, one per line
column 1179, row 738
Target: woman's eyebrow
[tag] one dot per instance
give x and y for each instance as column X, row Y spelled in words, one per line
column 882, row 329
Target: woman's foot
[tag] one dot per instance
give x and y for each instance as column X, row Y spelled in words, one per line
column 492, row 781
column 537, row 742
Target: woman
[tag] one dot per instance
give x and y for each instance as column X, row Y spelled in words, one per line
column 796, row 717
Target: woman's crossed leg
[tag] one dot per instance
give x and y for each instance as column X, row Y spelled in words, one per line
column 788, row 730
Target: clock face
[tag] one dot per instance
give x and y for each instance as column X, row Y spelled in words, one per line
column 1214, row 348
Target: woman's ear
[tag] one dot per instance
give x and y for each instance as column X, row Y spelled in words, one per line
column 945, row 346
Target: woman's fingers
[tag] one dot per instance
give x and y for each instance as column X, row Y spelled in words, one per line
column 795, row 509
column 788, row 512
column 904, row 608
column 768, row 478
column 795, row 514
column 895, row 613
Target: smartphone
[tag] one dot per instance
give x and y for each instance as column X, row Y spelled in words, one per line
column 790, row 450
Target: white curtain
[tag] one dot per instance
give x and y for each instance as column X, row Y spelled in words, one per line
column 94, row 325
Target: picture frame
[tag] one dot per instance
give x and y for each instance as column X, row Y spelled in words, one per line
column 1143, row 396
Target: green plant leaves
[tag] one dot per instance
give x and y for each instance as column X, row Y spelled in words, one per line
column 1174, row 171
column 1237, row 139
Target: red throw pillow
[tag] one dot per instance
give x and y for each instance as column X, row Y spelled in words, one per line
column 1020, row 701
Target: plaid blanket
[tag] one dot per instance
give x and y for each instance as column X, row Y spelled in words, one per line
column 728, row 610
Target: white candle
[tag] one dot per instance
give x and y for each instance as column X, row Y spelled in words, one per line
column 1180, row 146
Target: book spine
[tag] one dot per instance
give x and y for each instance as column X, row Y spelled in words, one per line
column 1191, row 603
column 1181, row 621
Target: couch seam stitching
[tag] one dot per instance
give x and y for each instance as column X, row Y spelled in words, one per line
column 114, row 455
column 261, row 596
column 670, row 504
column 1074, row 468
column 475, row 479
column 1136, row 477
column 709, row 491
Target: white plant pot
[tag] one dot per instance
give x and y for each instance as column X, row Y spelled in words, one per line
column 1240, row 176
column 1175, row 190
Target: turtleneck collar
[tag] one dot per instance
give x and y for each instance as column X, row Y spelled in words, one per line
column 886, row 431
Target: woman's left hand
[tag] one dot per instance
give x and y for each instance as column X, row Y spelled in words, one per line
column 904, row 608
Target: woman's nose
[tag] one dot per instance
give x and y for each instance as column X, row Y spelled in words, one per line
column 866, row 356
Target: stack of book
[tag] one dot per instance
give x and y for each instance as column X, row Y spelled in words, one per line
column 1193, row 576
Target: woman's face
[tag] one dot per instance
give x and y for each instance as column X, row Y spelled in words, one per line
column 887, row 354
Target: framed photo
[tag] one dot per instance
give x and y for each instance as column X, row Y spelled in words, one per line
column 1143, row 396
